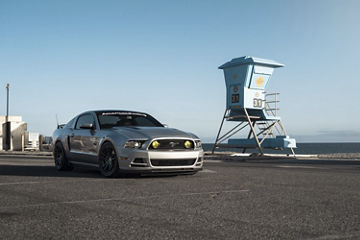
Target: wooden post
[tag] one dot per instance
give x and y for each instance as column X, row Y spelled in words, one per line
column 40, row 142
column 22, row 142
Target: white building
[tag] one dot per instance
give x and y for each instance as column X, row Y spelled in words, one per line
column 18, row 130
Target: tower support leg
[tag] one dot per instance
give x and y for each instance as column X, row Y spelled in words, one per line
column 254, row 133
column 249, row 135
column 217, row 137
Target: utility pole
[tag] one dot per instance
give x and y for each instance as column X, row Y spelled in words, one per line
column 7, row 126
column 7, row 102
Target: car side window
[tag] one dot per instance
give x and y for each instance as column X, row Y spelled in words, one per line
column 84, row 119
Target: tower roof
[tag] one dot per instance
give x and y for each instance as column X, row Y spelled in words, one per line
column 251, row 60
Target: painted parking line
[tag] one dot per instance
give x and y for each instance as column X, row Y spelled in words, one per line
column 85, row 179
column 352, row 235
column 77, row 180
column 213, row 193
column 18, row 183
column 297, row 166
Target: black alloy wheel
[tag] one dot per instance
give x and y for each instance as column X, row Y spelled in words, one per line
column 61, row 162
column 108, row 161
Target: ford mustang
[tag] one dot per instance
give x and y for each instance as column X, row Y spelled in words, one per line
column 118, row 142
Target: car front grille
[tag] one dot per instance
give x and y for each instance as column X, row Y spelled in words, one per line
column 172, row 144
column 172, row 162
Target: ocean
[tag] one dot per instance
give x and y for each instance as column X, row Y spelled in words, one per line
column 302, row 148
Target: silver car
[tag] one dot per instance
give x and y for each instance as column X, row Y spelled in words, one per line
column 117, row 142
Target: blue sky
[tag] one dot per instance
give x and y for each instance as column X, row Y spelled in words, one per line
column 161, row 57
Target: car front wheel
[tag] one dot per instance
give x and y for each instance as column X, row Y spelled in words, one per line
column 61, row 162
column 108, row 161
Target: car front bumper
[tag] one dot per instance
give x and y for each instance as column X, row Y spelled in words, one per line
column 146, row 161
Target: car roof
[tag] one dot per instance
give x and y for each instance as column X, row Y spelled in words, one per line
column 113, row 110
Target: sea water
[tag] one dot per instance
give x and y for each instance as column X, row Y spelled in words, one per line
column 302, row 148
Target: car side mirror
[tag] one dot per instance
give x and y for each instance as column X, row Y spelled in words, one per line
column 89, row 126
column 165, row 125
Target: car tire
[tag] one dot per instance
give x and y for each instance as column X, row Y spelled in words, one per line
column 108, row 161
column 61, row 162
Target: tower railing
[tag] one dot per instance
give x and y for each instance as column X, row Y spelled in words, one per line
column 271, row 103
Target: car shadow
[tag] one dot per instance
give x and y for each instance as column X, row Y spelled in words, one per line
column 45, row 171
column 50, row 171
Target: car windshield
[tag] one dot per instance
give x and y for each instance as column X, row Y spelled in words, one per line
column 126, row 119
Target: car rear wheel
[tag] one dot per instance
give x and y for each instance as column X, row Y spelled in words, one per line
column 61, row 162
column 108, row 161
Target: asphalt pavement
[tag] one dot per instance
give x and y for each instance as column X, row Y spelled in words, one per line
column 255, row 199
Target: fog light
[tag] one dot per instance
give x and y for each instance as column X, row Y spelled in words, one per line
column 155, row 144
column 187, row 144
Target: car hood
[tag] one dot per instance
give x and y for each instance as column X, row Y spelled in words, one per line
column 152, row 132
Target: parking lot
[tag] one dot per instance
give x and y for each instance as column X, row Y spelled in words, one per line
column 277, row 199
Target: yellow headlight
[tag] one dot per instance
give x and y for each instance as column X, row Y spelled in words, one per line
column 187, row 144
column 155, row 144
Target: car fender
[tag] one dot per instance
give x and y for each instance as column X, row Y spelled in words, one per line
column 108, row 139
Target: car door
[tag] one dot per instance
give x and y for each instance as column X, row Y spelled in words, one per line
column 84, row 140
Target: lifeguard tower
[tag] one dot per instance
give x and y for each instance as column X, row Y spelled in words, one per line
column 251, row 107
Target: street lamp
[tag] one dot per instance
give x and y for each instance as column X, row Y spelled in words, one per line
column 7, row 126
